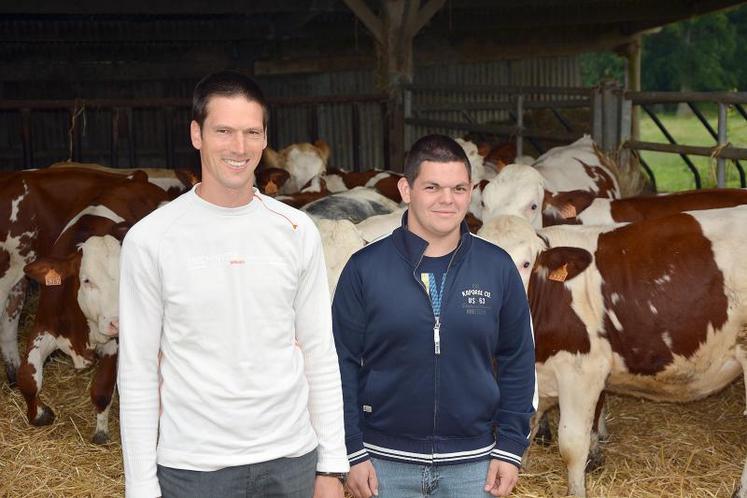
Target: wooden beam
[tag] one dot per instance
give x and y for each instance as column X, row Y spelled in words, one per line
column 424, row 15
column 321, row 64
column 165, row 7
column 368, row 18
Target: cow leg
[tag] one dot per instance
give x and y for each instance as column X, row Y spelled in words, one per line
column 541, row 432
column 598, row 435
column 31, row 375
column 741, row 354
column 741, row 491
column 11, row 313
column 102, row 390
column 578, row 392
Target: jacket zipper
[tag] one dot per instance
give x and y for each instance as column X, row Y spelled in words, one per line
column 436, row 333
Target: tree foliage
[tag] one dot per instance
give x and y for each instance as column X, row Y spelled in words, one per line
column 706, row 53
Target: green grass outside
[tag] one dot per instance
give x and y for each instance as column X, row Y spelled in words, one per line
column 670, row 170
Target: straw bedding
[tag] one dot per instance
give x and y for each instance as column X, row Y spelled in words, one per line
column 655, row 449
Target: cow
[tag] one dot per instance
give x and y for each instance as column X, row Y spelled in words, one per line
column 655, row 309
column 520, row 190
column 78, row 295
column 269, row 180
column 303, row 161
column 477, row 170
column 77, row 309
column 581, row 207
column 35, row 207
column 578, row 166
column 174, row 181
column 340, row 239
column 384, row 182
column 741, row 491
column 355, row 205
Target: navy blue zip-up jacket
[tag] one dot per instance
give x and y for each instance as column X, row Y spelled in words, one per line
column 403, row 400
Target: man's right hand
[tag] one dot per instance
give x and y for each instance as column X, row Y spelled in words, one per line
column 362, row 481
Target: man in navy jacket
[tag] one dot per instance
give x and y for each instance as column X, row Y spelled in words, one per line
column 434, row 338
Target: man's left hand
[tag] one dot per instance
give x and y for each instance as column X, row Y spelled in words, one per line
column 502, row 477
column 328, row 487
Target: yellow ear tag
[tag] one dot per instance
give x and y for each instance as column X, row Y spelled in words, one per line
column 559, row 274
column 568, row 211
column 52, row 278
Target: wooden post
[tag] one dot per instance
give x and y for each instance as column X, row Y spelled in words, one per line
column 722, row 139
column 634, row 84
column 26, row 139
column 394, row 30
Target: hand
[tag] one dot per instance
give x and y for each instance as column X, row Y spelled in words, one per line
column 328, row 487
column 362, row 481
column 502, row 477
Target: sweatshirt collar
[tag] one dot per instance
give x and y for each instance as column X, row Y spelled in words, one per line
column 412, row 247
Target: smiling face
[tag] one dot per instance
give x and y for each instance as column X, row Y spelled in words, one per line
column 438, row 200
column 230, row 141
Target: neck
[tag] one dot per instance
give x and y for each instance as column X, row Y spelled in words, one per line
column 226, row 198
column 442, row 246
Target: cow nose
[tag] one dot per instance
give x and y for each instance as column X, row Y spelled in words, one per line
column 114, row 327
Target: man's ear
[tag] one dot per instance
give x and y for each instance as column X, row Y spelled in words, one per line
column 404, row 189
column 195, row 133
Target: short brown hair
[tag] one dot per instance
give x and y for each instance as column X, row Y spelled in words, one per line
column 226, row 84
column 435, row 148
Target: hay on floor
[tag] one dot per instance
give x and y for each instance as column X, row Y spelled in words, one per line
column 655, row 449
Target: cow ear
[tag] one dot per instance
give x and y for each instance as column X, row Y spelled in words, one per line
column 564, row 263
column 119, row 230
column 50, row 272
column 570, row 204
column 324, row 150
column 139, row 176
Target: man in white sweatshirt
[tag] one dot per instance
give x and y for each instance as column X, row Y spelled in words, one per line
column 228, row 377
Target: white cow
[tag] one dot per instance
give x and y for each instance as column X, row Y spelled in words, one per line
column 340, row 239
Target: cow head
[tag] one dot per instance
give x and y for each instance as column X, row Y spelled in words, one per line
column 98, row 295
column 517, row 190
column 530, row 252
column 517, row 237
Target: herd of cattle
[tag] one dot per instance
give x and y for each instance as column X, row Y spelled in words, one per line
column 643, row 295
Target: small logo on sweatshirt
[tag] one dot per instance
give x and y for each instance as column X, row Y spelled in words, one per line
column 476, row 301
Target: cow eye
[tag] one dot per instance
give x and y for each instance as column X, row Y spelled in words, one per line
column 526, row 264
column 534, row 207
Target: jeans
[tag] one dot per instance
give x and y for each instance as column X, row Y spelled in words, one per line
column 281, row 478
column 412, row 480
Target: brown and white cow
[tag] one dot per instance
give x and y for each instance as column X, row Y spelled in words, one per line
column 655, row 309
column 578, row 166
column 35, row 207
column 173, row 181
column 78, row 308
column 303, row 161
column 581, row 207
column 741, row 491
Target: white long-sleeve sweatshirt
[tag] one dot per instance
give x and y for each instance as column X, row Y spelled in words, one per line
column 226, row 354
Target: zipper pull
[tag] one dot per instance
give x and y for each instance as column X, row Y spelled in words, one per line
column 437, row 336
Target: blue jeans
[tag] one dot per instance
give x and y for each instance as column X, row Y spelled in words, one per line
column 281, row 478
column 412, row 480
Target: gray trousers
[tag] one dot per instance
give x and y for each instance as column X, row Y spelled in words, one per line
column 281, row 478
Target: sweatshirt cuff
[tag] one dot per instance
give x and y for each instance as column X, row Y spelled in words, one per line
column 147, row 489
column 333, row 465
column 509, row 451
column 356, row 452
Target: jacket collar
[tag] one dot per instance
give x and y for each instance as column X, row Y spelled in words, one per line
column 412, row 247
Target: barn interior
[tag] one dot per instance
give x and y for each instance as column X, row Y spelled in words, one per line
column 82, row 78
